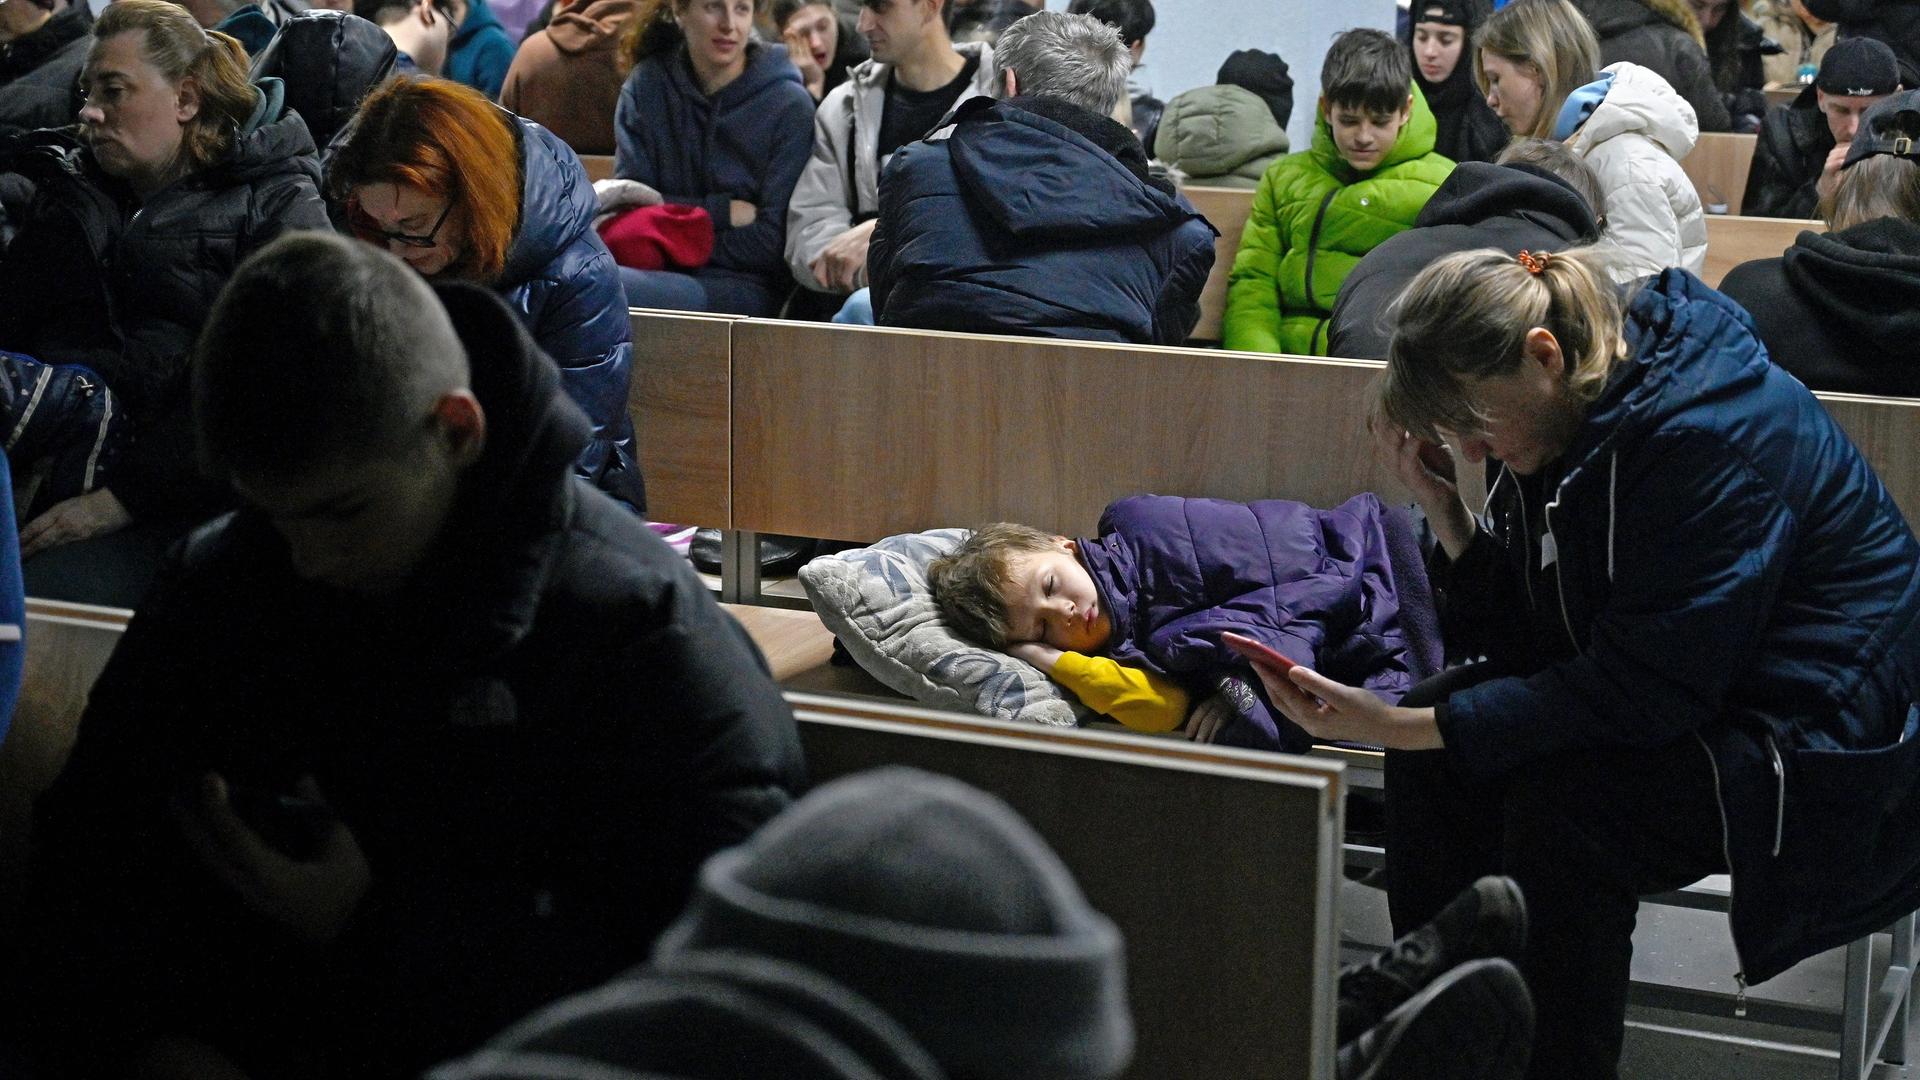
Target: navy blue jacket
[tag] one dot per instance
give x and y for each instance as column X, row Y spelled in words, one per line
column 749, row 142
column 1730, row 570
column 562, row 281
column 480, row 51
column 1036, row 217
column 1341, row 591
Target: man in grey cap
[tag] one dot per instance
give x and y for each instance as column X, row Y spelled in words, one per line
column 1802, row 146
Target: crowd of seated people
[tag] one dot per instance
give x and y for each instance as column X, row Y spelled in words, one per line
column 315, row 352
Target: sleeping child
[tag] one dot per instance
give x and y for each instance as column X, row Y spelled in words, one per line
column 1131, row 620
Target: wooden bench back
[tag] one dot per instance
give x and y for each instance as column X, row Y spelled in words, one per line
column 1221, row 868
column 1734, row 240
column 854, row 433
column 681, row 404
column 1227, row 208
column 599, row 166
column 1718, row 167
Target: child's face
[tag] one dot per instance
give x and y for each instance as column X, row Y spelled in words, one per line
column 1052, row 600
column 1363, row 137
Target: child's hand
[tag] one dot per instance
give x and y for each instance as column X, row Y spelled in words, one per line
column 1208, row 717
column 1037, row 653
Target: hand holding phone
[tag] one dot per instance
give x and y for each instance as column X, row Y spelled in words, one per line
column 1258, row 653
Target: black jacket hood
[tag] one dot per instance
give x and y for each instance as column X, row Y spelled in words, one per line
column 1044, row 168
column 1477, row 191
column 1863, row 282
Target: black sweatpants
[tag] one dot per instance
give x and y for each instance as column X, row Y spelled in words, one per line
column 1585, row 834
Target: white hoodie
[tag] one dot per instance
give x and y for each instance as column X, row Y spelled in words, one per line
column 1633, row 142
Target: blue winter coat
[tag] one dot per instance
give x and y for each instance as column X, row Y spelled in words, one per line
column 1036, row 217
column 1341, row 591
column 480, row 51
column 1732, row 571
column 749, row 142
column 562, row 281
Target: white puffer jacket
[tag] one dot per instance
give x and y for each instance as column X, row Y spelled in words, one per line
column 1633, row 142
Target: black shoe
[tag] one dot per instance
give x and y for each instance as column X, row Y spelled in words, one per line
column 1473, row 1023
column 1487, row 920
column 779, row 555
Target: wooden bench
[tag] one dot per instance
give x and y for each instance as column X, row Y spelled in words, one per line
column 1220, row 867
column 1718, row 167
column 1730, row 240
column 599, row 166
column 682, row 409
column 1734, row 240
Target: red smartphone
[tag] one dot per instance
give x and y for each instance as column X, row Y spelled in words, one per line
column 1258, row 653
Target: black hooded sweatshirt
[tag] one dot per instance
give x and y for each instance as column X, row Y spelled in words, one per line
column 1511, row 207
column 1840, row 310
column 536, row 742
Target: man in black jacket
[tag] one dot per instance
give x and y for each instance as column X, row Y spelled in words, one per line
column 1541, row 197
column 426, row 734
column 1036, row 213
column 41, row 51
column 1797, row 159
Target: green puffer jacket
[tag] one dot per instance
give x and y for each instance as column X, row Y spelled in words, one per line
column 1312, row 220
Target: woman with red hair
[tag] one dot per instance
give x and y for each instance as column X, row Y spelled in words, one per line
column 461, row 189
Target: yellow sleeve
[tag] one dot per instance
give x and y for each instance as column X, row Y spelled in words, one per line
column 1135, row 697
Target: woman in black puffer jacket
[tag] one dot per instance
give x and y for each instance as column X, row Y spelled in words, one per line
column 181, row 169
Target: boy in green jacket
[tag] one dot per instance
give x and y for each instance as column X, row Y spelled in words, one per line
column 1370, row 170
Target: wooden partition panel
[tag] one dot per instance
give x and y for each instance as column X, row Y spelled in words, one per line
column 1718, row 167
column 1220, row 867
column 599, row 166
column 680, row 403
column 1734, row 240
column 1227, row 208
column 853, row 433
column 1887, row 431
column 67, row 646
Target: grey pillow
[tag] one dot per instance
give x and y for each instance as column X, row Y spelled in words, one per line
column 876, row 601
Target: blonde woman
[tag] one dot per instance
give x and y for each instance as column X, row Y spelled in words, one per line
column 1538, row 64
column 1701, row 616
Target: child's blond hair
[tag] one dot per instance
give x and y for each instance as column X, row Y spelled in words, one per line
column 969, row 586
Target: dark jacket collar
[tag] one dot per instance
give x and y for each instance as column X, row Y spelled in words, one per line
column 27, row 53
column 1863, row 282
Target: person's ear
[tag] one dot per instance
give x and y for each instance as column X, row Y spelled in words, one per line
column 1543, row 348
column 1321, row 105
column 186, row 100
column 462, row 425
column 1011, row 84
column 1137, row 50
column 1067, row 544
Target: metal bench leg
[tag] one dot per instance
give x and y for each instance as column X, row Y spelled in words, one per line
column 1858, row 999
column 1895, row 1050
column 739, row 567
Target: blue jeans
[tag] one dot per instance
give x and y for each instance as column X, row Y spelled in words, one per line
column 703, row 290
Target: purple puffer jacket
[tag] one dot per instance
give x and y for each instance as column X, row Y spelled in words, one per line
column 1342, row 591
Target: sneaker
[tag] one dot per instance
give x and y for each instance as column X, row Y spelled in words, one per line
column 1487, row 920
column 1473, row 1023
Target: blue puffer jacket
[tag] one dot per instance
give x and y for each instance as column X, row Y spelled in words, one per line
column 1730, row 569
column 749, row 142
column 562, row 281
column 1036, row 217
column 1341, row 591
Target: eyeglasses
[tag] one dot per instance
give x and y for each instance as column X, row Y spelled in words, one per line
column 369, row 230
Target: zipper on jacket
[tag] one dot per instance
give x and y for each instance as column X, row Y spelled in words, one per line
column 1560, row 583
column 1526, row 537
column 1726, row 853
column 1313, row 249
column 1780, row 793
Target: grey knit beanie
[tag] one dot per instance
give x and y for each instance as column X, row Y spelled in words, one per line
column 936, row 902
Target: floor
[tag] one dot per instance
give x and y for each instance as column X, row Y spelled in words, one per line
column 1689, row 950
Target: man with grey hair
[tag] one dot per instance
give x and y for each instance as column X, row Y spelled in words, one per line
column 1034, row 212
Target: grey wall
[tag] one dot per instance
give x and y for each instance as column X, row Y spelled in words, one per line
column 1192, row 37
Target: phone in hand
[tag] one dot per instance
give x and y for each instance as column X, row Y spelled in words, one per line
column 1258, row 653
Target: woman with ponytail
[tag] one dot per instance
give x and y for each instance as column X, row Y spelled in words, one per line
column 715, row 120
column 181, row 168
column 1695, row 619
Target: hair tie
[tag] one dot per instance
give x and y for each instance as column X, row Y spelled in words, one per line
column 1535, row 264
